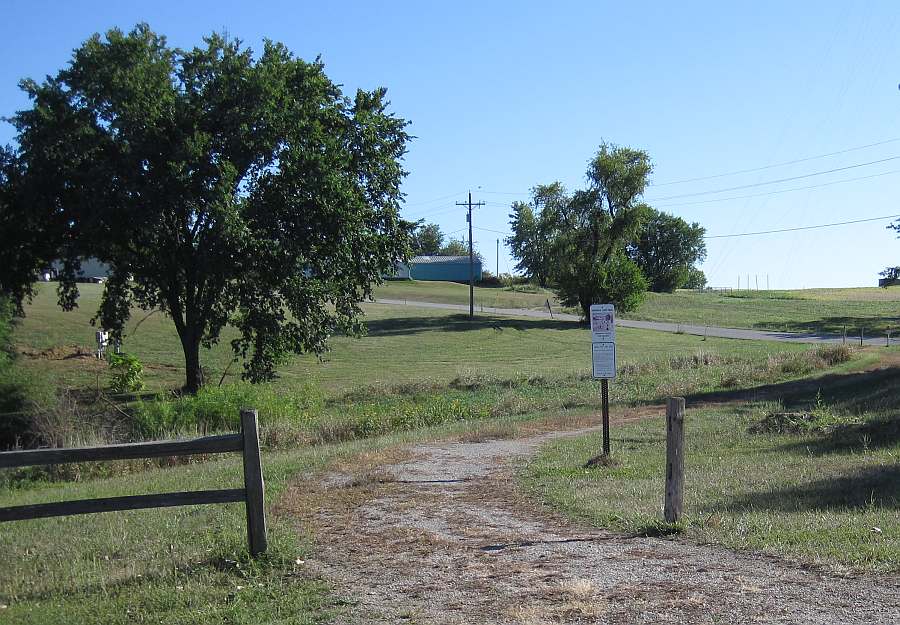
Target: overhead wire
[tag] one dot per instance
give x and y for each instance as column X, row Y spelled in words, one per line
column 778, row 181
column 813, row 186
column 774, row 165
column 796, row 228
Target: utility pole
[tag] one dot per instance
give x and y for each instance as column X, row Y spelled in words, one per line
column 471, row 255
column 498, row 259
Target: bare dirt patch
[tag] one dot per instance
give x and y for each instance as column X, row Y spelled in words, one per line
column 59, row 352
column 439, row 534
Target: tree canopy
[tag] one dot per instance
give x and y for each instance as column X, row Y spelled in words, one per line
column 427, row 240
column 579, row 239
column 534, row 226
column 667, row 249
column 221, row 187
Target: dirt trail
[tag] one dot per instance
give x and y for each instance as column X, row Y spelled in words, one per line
column 439, row 535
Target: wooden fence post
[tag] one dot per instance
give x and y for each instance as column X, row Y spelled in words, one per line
column 674, row 459
column 253, row 483
column 604, row 409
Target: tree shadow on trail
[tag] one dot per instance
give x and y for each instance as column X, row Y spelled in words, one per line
column 871, row 486
column 399, row 326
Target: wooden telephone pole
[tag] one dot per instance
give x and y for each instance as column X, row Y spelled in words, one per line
column 471, row 255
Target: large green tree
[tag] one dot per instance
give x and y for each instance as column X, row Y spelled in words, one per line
column 222, row 187
column 533, row 227
column 589, row 264
column 667, row 249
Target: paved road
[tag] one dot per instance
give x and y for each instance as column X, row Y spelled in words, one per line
column 661, row 326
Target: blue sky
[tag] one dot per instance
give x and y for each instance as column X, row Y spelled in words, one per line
column 504, row 96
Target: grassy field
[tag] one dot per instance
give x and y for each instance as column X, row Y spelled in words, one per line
column 415, row 368
column 404, row 345
column 875, row 310
column 418, row 374
column 813, row 476
column 520, row 296
column 189, row 565
column 832, row 311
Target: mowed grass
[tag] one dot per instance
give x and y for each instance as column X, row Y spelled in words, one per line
column 519, row 296
column 814, row 478
column 874, row 310
column 830, row 311
column 403, row 345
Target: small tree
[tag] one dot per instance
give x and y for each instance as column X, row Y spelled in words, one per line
column 221, row 188
column 456, row 247
column 593, row 228
column 427, row 240
column 696, row 279
column 890, row 275
column 667, row 249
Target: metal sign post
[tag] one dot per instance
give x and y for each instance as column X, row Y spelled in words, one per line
column 603, row 358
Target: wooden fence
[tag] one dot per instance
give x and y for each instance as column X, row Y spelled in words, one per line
column 246, row 442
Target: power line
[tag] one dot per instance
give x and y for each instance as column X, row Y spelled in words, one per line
column 494, row 231
column 837, row 223
column 747, row 234
column 773, row 165
column 433, row 200
column 780, row 180
column 433, row 213
column 804, row 188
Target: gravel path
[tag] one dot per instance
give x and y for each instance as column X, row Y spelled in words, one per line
column 441, row 536
column 661, row 326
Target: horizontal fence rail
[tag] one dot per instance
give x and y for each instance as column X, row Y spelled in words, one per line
column 129, row 451
column 247, row 442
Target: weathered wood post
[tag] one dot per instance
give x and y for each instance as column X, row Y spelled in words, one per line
column 604, row 407
column 674, row 459
column 860, row 337
column 253, row 483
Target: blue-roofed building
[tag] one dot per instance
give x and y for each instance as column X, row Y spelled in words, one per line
column 439, row 268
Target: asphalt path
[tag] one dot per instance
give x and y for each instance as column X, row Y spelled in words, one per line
column 660, row 326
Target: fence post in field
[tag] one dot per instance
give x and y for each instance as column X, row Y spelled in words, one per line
column 860, row 337
column 674, row 459
column 253, row 483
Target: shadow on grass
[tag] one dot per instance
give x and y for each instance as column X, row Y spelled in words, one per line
column 860, row 390
column 876, row 433
column 13, row 400
column 874, row 395
column 397, row 326
column 835, row 326
column 872, row 486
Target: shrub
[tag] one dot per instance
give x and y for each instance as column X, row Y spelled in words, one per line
column 127, row 373
column 218, row 409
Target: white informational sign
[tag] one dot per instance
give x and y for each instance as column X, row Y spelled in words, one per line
column 603, row 323
column 603, row 341
column 603, row 359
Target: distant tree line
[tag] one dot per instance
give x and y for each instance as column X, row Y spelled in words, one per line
column 428, row 240
column 603, row 243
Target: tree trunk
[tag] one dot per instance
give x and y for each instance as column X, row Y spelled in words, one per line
column 192, row 371
column 586, row 310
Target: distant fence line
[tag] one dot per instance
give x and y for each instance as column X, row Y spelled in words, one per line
column 246, row 442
